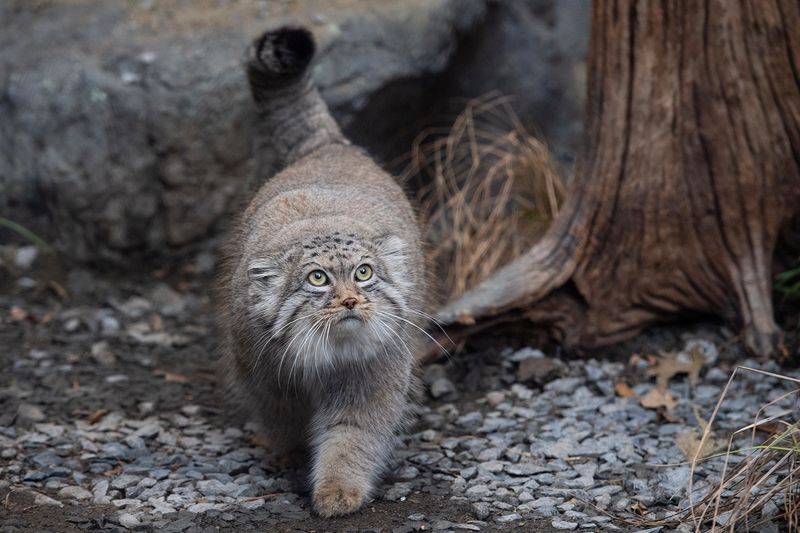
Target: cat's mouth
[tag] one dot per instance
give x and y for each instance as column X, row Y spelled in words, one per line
column 350, row 317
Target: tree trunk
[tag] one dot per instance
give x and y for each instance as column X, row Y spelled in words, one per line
column 690, row 167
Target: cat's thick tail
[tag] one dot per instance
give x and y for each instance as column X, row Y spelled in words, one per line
column 294, row 120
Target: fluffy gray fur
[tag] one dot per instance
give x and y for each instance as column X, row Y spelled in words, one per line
column 325, row 368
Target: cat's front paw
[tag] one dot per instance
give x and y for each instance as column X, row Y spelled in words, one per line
column 337, row 499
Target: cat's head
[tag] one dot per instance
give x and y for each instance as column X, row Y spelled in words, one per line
column 334, row 297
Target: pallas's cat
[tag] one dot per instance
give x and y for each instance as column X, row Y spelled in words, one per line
column 324, row 288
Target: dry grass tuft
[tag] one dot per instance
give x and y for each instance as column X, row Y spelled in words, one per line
column 487, row 191
column 759, row 472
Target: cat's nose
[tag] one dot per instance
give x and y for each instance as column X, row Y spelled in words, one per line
column 349, row 303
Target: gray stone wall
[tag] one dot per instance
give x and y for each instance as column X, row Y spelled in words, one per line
column 127, row 127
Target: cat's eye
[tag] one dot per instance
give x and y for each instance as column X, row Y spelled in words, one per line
column 318, row 278
column 363, row 273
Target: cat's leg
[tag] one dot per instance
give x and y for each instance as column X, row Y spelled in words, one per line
column 285, row 420
column 353, row 438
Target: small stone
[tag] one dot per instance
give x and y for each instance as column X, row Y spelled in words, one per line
column 406, row 473
column 564, row 385
column 102, row 354
column 135, row 442
column 25, row 282
column 675, row 480
column 481, row 510
column 492, row 467
column 34, row 476
column 478, row 491
column 191, row 410
column 563, row 524
column 169, row 301
column 25, row 256
column 109, row 325
column 202, row 507
column 490, row 454
column 716, row 374
column 75, row 493
column 442, row 387
column 115, row 450
column 51, row 430
column 469, row 472
column 416, row 517
column 128, row 521
column 545, row 501
column 525, row 353
column 124, row 481
column 524, row 469
column 723, row 518
column 100, row 489
column 30, row 412
column 495, row 398
column 540, row 370
column 397, row 491
column 41, row 499
column 46, row 458
column 504, row 519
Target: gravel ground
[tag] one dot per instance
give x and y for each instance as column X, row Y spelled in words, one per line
column 111, row 418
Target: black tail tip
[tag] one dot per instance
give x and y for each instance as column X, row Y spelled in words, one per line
column 281, row 54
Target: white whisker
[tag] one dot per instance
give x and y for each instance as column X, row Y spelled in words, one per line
column 390, row 315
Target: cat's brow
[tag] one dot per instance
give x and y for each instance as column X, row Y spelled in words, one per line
column 310, row 263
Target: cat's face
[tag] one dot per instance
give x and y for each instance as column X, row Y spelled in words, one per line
column 333, row 297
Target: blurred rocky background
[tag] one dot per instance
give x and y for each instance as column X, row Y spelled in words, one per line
column 127, row 128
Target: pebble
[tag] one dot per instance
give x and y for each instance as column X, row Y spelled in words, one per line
column 442, row 387
column 41, row 499
column 563, row 524
column 25, row 256
column 30, row 412
column 512, row 453
column 513, row 517
column 128, row 521
column 481, row 510
column 75, row 493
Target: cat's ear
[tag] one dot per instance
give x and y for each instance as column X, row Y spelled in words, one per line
column 391, row 248
column 264, row 270
column 268, row 270
column 394, row 253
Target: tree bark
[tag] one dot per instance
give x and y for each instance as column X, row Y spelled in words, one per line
column 690, row 167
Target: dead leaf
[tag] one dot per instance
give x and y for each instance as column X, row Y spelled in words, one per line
column 688, row 442
column 114, row 472
column 657, row 398
column 96, row 416
column 669, row 364
column 624, row 390
column 18, row 314
column 260, row 441
column 668, row 416
column 58, row 289
column 172, row 377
